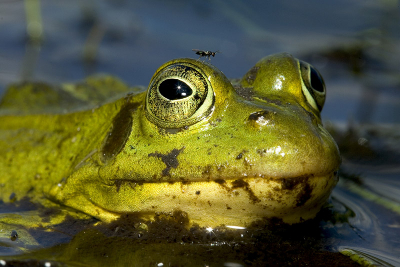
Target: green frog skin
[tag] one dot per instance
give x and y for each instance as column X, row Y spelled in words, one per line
column 224, row 152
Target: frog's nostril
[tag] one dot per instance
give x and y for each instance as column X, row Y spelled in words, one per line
column 261, row 118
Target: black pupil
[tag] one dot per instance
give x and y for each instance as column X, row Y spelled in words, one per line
column 316, row 81
column 173, row 89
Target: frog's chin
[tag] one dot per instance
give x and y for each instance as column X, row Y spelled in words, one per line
column 210, row 203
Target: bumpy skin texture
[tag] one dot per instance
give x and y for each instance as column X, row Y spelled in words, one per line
column 258, row 149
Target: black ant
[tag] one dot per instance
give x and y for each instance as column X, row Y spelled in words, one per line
column 202, row 53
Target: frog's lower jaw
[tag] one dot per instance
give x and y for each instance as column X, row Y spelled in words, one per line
column 210, row 203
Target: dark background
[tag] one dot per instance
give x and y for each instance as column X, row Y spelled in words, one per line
column 354, row 44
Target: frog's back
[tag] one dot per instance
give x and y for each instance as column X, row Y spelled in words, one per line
column 41, row 98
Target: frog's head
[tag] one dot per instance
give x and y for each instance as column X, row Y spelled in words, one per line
column 224, row 152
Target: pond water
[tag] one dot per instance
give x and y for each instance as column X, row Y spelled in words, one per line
column 354, row 44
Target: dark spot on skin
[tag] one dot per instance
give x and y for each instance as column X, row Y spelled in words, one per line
column 209, row 203
column 185, row 181
column 220, row 181
column 170, row 160
column 239, row 183
column 243, row 184
column 304, row 195
column 305, row 188
column 291, row 183
column 223, row 184
column 197, row 192
column 120, row 131
column 240, row 156
column 245, row 92
column 227, row 207
column 119, row 182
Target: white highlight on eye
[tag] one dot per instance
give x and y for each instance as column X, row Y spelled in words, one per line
column 179, row 87
column 209, row 78
column 278, row 82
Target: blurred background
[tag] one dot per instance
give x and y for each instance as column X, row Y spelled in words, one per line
column 354, row 44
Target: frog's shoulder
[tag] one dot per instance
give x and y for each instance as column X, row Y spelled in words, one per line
column 39, row 97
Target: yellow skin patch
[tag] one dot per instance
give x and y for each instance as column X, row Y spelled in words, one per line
column 235, row 152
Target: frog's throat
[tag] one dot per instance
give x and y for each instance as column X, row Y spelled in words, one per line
column 208, row 203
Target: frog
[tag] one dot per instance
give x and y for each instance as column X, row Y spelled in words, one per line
column 223, row 152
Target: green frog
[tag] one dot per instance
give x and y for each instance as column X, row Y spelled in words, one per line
column 224, row 152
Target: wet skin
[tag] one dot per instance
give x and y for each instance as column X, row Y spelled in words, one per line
column 224, row 152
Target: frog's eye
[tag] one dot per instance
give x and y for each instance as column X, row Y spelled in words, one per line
column 313, row 85
column 179, row 95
